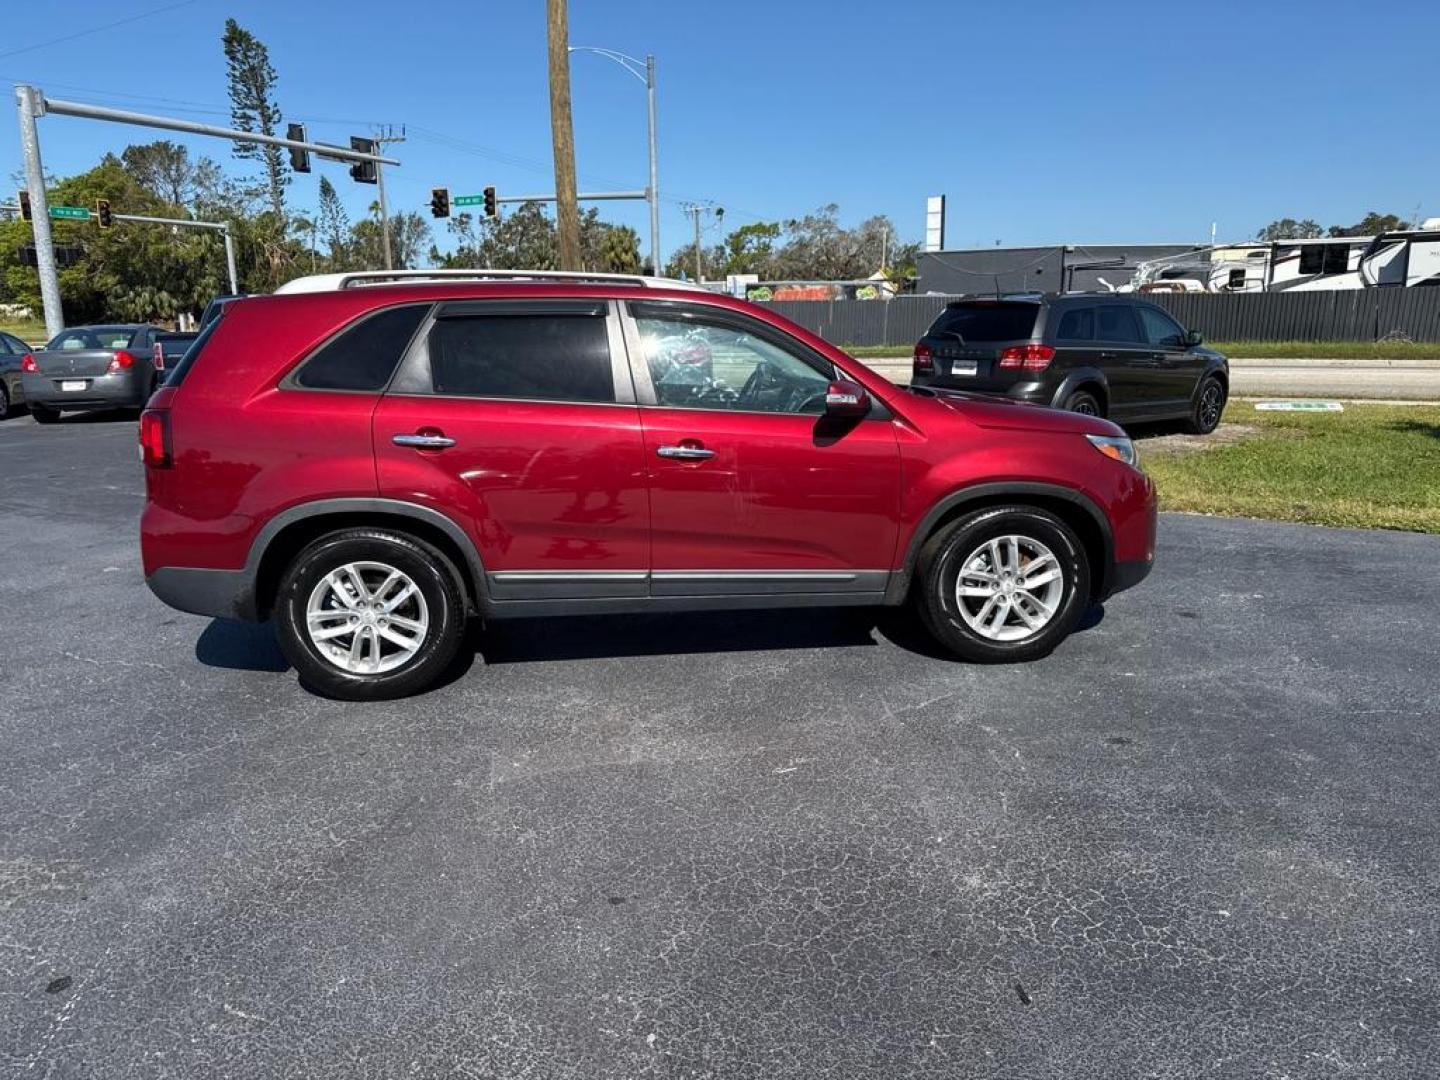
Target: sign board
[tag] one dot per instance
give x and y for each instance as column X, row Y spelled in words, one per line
column 70, row 213
column 935, row 223
column 1299, row 406
column 469, row 200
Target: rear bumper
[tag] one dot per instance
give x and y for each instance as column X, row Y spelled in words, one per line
column 119, row 391
column 220, row 594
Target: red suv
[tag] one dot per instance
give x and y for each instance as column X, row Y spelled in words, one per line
column 370, row 461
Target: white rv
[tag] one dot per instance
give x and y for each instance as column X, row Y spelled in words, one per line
column 1396, row 259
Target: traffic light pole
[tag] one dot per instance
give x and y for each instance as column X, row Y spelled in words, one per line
column 222, row 227
column 33, row 104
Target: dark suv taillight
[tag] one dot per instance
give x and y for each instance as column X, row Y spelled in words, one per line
column 924, row 360
column 1027, row 357
column 155, row 439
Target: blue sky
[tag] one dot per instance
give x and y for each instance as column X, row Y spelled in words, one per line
column 1042, row 122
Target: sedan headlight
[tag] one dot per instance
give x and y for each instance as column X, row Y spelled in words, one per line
column 1117, row 447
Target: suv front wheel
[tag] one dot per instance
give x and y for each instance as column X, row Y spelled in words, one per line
column 1003, row 584
column 368, row 614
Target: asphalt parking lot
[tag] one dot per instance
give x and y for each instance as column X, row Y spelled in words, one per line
column 1198, row 841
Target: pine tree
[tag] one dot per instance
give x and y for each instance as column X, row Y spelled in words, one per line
column 334, row 223
column 252, row 104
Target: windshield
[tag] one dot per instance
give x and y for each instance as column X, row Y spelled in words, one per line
column 987, row 321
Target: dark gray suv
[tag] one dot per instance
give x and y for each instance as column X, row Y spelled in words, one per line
column 1100, row 354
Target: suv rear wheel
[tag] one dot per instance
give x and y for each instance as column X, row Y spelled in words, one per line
column 1007, row 583
column 1085, row 403
column 368, row 614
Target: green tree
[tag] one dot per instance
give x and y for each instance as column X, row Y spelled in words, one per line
column 366, row 249
column 606, row 248
column 1289, row 229
column 252, row 105
column 165, row 168
column 750, row 249
column 1372, row 224
column 334, row 223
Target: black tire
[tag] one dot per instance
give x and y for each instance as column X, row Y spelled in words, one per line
column 1085, row 403
column 428, row 569
column 1210, row 400
column 44, row 414
column 4, row 402
column 943, row 558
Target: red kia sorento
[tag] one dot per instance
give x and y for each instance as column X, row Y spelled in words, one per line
column 372, row 459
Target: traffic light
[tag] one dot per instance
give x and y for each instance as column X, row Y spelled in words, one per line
column 363, row 172
column 299, row 159
column 491, row 210
column 26, row 214
column 440, row 202
column 102, row 213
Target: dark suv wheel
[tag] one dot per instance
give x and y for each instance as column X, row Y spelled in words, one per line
column 1209, row 405
column 1006, row 583
column 1085, row 403
column 368, row 614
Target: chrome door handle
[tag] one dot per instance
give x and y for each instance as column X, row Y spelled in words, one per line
column 423, row 442
column 686, row 453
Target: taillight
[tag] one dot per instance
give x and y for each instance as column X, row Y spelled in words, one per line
column 121, row 361
column 158, row 357
column 155, row 439
column 1027, row 357
column 924, row 360
column 29, row 365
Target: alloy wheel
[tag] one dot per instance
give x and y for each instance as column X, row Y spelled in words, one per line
column 367, row 618
column 1211, row 402
column 1009, row 588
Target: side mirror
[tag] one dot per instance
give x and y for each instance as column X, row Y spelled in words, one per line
column 847, row 400
column 1193, row 338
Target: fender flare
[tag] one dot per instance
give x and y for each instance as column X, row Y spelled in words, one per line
column 899, row 584
column 1074, row 380
column 364, row 505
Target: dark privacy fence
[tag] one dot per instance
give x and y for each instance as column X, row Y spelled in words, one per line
column 1338, row 315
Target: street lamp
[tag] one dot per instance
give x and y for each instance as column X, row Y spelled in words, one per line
column 645, row 72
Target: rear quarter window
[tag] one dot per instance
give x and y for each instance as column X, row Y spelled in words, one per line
column 364, row 355
column 987, row 322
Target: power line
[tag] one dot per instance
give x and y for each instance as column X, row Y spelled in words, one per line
column 96, row 29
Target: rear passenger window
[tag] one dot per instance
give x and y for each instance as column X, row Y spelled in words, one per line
column 1116, row 323
column 1078, row 324
column 364, row 355
column 550, row 357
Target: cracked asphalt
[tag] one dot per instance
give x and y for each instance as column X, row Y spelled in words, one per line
column 1198, row 841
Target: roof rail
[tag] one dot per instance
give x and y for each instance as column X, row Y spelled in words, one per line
column 335, row 282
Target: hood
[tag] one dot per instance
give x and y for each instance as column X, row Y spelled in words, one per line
column 989, row 412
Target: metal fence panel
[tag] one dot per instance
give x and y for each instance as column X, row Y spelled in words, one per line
column 1334, row 315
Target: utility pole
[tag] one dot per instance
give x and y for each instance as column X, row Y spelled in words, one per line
column 695, row 210
column 31, row 103
column 562, row 133
column 386, row 135
column 699, row 268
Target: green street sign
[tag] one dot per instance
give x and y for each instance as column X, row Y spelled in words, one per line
column 469, row 200
column 70, row 213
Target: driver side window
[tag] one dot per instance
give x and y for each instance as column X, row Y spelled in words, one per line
column 700, row 365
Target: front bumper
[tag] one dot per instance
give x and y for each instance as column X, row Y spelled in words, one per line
column 1126, row 575
column 119, row 391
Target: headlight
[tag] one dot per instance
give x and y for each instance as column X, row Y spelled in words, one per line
column 1117, row 447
